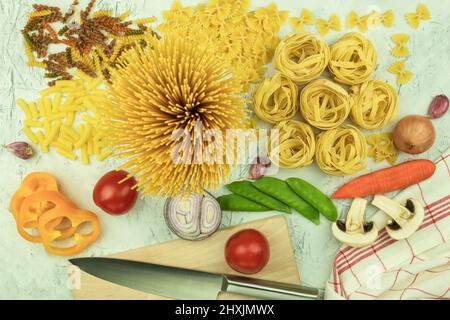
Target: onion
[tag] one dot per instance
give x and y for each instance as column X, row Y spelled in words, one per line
column 414, row 134
column 195, row 217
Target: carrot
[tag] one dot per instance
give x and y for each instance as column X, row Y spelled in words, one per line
column 387, row 180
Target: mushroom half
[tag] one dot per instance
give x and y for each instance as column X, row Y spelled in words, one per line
column 354, row 231
column 405, row 217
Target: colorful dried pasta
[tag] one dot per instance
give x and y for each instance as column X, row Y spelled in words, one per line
column 324, row 104
column 341, row 151
column 375, row 104
column 302, row 57
column 276, row 99
column 297, row 144
column 353, row 59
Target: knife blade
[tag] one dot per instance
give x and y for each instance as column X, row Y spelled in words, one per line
column 185, row 284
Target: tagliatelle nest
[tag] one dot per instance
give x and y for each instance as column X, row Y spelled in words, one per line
column 157, row 90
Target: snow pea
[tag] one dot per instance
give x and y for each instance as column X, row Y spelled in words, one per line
column 314, row 197
column 280, row 190
column 247, row 190
column 234, row 202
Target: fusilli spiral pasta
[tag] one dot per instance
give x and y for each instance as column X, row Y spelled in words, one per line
column 341, row 151
column 302, row 57
column 324, row 104
column 275, row 99
column 353, row 59
column 375, row 104
column 296, row 144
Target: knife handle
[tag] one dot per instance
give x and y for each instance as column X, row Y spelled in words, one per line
column 269, row 290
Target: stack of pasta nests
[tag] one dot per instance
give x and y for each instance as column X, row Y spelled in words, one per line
column 300, row 60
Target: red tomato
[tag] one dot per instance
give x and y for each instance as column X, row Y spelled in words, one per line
column 113, row 197
column 247, row 251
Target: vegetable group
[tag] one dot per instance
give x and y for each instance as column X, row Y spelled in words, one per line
column 44, row 215
column 114, row 193
column 280, row 190
column 269, row 193
column 387, row 180
column 247, row 251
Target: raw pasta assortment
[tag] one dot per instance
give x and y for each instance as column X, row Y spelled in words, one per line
column 325, row 104
column 119, row 86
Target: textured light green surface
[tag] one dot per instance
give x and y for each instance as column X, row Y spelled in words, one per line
column 27, row 272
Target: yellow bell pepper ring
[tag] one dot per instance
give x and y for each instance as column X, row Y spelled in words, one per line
column 37, row 205
column 34, row 182
column 77, row 219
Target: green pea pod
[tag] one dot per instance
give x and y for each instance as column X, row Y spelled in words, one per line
column 234, row 202
column 281, row 191
column 314, row 197
column 247, row 190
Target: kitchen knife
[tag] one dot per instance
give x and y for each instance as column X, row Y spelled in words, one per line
column 184, row 284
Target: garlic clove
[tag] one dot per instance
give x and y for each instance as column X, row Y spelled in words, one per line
column 438, row 107
column 258, row 168
column 21, row 150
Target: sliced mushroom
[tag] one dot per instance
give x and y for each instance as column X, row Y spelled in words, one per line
column 354, row 231
column 405, row 217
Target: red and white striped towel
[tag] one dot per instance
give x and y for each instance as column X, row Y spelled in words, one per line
column 415, row 268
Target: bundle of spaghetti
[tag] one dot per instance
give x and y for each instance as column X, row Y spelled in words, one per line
column 275, row 99
column 353, row 59
column 375, row 104
column 297, row 144
column 302, row 57
column 65, row 118
column 324, row 104
column 341, row 151
column 163, row 100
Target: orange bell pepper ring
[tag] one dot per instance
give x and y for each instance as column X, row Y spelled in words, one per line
column 34, row 207
column 78, row 219
column 34, row 182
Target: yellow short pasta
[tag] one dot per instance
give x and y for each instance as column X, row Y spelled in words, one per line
column 59, row 109
column 324, row 104
column 297, row 144
column 353, row 59
column 276, row 99
column 302, row 57
column 375, row 104
column 341, row 151
column 382, row 148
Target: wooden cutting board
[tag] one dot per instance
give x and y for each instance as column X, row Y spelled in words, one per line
column 206, row 255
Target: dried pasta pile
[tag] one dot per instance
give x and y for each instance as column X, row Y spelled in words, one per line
column 325, row 104
column 65, row 118
column 83, row 39
column 158, row 90
column 244, row 39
